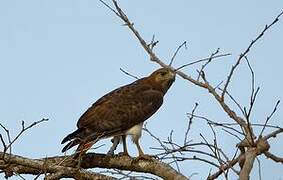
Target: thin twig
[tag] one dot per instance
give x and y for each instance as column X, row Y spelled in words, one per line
column 254, row 92
column 128, row 74
column 203, row 60
column 273, row 157
column 156, row 138
column 190, row 123
column 24, row 129
column 177, row 50
column 210, row 59
column 235, row 135
column 225, row 125
column 234, row 100
column 245, row 53
column 3, row 143
column 227, row 165
column 8, row 137
column 270, row 116
column 273, row 134
column 259, row 168
column 153, row 43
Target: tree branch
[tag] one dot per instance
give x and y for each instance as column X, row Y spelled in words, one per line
column 273, row 157
column 246, row 52
column 67, row 166
column 250, row 156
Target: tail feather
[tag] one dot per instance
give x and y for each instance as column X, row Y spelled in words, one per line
column 83, row 137
column 70, row 145
column 82, row 148
column 72, row 135
column 74, row 138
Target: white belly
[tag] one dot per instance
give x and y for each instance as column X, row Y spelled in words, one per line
column 135, row 132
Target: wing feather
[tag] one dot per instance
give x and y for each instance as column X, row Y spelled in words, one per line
column 121, row 109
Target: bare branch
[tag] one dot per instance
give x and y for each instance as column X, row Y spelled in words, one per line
column 273, row 134
column 91, row 160
column 109, row 7
column 203, row 60
column 225, row 167
column 190, row 123
column 3, row 143
column 130, row 25
column 25, row 129
column 273, row 157
column 250, row 156
column 253, row 96
column 177, row 50
column 128, row 74
column 195, row 158
column 270, row 116
column 154, row 58
column 233, row 134
column 224, row 125
column 64, row 166
column 156, row 138
column 253, row 93
column 210, row 59
column 259, row 168
column 153, row 43
column 216, row 152
column 8, row 137
column 246, row 52
column 235, row 101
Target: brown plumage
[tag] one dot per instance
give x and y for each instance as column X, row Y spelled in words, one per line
column 121, row 112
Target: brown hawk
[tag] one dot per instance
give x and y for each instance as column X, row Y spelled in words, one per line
column 121, row 112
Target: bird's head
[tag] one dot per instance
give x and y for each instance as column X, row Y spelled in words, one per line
column 164, row 78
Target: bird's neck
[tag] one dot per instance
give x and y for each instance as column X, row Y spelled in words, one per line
column 153, row 84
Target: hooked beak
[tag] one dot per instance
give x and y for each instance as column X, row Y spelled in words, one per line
column 172, row 75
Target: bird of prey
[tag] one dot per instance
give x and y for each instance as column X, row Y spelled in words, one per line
column 121, row 112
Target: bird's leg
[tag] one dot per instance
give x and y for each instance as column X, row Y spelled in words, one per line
column 80, row 152
column 79, row 161
column 78, row 157
column 115, row 142
column 139, row 149
column 125, row 152
column 141, row 154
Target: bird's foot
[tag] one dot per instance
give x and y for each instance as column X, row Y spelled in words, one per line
column 123, row 154
column 145, row 157
column 78, row 164
column 110, row 153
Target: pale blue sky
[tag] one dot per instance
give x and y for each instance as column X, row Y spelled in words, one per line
column 58, row 57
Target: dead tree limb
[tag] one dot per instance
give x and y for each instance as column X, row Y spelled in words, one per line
column 64, row 166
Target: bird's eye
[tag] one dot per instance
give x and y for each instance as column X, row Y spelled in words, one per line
column 163, row 73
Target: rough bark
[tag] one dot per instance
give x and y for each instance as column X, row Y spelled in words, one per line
column 65, row 166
